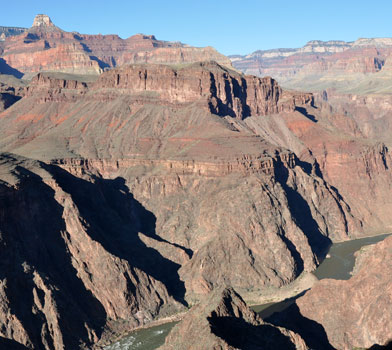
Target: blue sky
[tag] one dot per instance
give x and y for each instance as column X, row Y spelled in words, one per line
column 230, row 26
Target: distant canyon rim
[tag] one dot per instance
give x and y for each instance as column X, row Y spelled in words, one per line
column 142, row 180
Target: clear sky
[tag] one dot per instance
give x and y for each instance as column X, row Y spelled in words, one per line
column 240, row 26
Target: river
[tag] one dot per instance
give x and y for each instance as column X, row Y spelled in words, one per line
column 338, row 265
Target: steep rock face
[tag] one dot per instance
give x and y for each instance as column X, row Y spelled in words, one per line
column 45, row 47
column 223, row 321
column 225, row 91
column 67, row 58
column 355, row 313
column 77, row 276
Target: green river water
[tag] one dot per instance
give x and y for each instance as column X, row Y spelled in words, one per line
column 338, row 265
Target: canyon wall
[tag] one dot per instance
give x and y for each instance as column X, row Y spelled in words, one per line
column 151, row 184
column 45, row 47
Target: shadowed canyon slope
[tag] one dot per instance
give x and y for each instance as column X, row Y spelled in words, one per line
column 45, row 47
column 224, row 321
column 162, row 177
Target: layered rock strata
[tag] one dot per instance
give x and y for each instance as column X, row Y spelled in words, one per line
column 45, row 47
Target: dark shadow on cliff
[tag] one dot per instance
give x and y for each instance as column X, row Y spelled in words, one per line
column 311, row 332
column 305, row 113
column 387, row 346
column 238, row 333
column 7, row 69
column 8, row 344
column 7, row 100
column 115, row 219
column 279, row 306
column 302, row 214
column 33, row 253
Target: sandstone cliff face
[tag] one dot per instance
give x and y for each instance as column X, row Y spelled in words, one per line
column 355, row 313
column 223, row 321
column 45, row 47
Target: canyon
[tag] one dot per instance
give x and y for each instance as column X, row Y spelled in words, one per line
column 139, row 178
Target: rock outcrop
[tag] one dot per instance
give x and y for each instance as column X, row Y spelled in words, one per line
column 224, row 321
column 355, row 313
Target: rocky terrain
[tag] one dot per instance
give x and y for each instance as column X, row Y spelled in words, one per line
column 224, row 321
column 151, row 165
column 136, row 182
column 45, row 47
